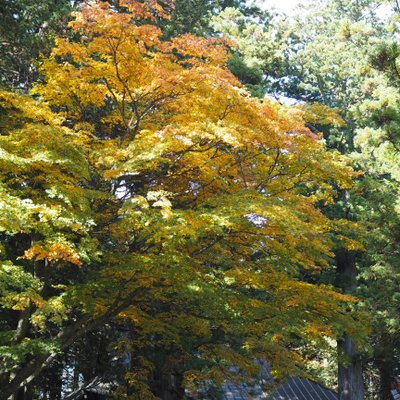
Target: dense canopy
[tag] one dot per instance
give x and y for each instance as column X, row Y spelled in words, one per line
column 162, row 229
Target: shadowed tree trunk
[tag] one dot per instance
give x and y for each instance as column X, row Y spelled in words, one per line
column 350, row 378
column 351, row 385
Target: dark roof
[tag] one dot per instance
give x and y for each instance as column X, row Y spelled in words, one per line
column 303, row 389
column 395, row 394
column 294, row 389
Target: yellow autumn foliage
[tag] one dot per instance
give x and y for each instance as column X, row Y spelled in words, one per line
column 190, row 207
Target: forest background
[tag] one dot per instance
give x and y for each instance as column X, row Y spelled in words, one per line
column 187, row 187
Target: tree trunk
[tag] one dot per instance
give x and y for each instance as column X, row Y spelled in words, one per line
column 385, row 380
column 171, row 387
column 350, row 378
column 351, row 385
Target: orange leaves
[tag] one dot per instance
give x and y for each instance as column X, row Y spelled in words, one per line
column 199, row 49
column 148, row 9
column 148, row 35
column 52, row 252
column 99, row 18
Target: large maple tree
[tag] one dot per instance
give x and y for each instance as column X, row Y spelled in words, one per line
column 147, row 185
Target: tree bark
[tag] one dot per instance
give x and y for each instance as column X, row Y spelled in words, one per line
column 350, row 377
column 385, row 379
column 351, row 385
